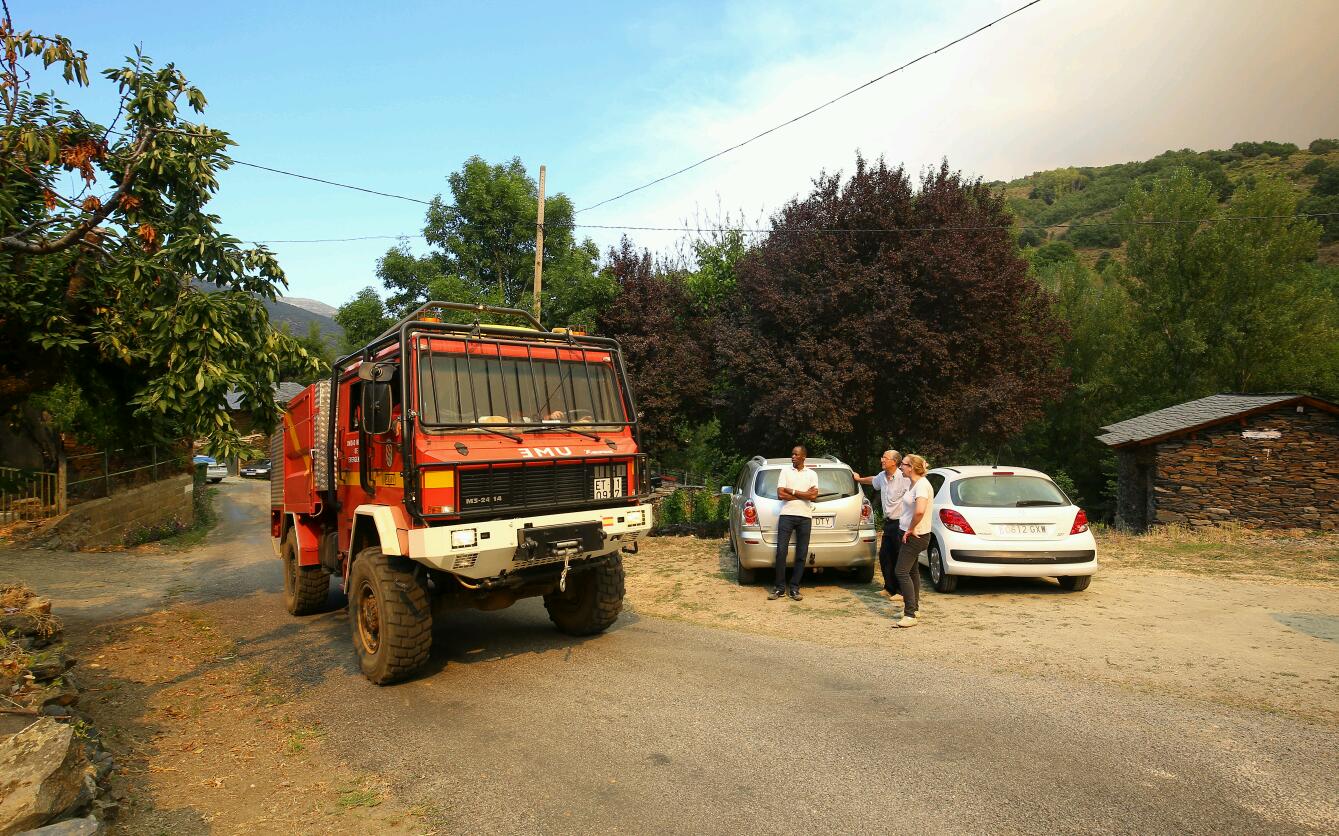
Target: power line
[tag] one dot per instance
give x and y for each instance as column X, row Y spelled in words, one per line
column 845, row 230
column 332, row 182
column 812, row 111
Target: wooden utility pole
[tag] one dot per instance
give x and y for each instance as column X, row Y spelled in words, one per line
column 539, row 243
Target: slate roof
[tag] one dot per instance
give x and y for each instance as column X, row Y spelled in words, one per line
column 1189, row 415
column 283, row 393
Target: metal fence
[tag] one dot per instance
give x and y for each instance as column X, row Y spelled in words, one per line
column 95, row 475
column 28, row 495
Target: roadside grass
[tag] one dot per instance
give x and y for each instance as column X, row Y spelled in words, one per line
column 1231, row 549
column 206, row 518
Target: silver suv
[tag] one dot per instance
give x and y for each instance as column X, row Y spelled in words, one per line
column 843, row 532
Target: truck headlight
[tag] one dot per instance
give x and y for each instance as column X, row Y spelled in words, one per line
column 464, row 538
column 637, row 517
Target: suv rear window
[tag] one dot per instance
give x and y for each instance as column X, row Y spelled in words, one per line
column 1006, row 492
column 833, row 483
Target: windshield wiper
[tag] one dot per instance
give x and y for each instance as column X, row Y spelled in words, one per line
column 503, row 433
column 1032, row 503
column 565, row 428
column 833, row 495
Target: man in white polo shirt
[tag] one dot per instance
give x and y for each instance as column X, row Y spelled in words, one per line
column 797, row 487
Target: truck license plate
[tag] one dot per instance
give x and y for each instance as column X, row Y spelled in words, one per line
column 611, row 488
column 823, row 522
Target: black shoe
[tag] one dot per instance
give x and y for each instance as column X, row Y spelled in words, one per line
column 795, row 595
column 774, row 594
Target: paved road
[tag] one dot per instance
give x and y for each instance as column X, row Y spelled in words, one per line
column 659, row 726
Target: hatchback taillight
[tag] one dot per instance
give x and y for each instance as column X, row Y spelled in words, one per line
column 750, row 513
column 1080, row 523
column 866, row 511
column 954, row 521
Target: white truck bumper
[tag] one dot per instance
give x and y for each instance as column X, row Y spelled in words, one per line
column 487, row 549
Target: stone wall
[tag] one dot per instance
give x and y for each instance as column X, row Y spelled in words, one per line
column 1279, row 469
column 111, row 520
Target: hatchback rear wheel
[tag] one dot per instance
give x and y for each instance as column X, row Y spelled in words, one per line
column 1075, row 583
column 939, row 576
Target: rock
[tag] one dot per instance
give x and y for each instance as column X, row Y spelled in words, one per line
column 86, row 826
column 55, row 711
column 23, row 623
column 60, row 692
column 49, row 665
column 42, row 774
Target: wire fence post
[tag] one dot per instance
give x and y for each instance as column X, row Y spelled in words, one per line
column 106, row 474
column 62, row 483
column 155, row 462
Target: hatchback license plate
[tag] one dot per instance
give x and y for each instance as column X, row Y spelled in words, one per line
column 1021, row 528
column 823, row 522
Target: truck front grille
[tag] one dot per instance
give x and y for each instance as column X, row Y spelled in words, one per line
column 542, row 485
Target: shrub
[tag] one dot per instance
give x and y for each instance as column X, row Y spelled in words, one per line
column 1323, row 146
column 704, row 506
column 1031, row 237
column 1314, row 167
column 671, row 510
column 1093, row 235
column 1053, row 253
column 1316, row 205
column 1327, row 182
column 1282, row 150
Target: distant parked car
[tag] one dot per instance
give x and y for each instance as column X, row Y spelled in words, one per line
column 843, row 532
column 1006, row 522
column 214, row 471
column 257, row 470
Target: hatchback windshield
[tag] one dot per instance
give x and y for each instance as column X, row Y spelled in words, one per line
column 1006, row 492
column 833, row 483
column 456, row 389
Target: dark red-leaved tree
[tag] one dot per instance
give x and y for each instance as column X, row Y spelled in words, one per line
column 919, row 334
column 652, row 316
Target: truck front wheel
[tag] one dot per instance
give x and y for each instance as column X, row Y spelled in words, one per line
column 593, row 599
column 389, row 617
column 305, row 587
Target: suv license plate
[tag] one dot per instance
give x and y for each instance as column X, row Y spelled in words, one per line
column 823, row 522
column 1020, row 528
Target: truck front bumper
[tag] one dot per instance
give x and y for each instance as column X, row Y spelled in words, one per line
column 490, row 549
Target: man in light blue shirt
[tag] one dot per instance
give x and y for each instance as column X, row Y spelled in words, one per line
column 891, row 483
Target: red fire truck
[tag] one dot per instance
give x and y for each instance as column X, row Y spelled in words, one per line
column 460, row 465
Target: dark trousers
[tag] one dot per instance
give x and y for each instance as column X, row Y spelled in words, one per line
column 802, row 527
column 908, row 574
column 888, row 549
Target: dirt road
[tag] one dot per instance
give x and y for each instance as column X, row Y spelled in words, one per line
column 229, row 716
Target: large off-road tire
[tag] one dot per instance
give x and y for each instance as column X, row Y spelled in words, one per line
column 389, row 616
column 306, row 588
column 593, row 599
column 1075, row 583
column 939, row 576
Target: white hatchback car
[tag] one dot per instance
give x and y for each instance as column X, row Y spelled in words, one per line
column 1007, row 522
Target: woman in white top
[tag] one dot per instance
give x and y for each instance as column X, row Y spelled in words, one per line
column 915, row 537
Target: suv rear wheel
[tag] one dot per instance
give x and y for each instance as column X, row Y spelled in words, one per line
column 593, row 599
column 939, row 576
column 389, row 616
column 743, row 574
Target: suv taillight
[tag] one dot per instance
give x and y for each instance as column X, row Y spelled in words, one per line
column 750, row 513
column 1080, row 523
column 866, row 511
column 954, row 521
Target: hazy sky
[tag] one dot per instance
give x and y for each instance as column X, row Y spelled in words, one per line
column 609, row 96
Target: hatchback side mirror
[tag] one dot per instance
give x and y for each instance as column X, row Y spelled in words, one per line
column 727, row 490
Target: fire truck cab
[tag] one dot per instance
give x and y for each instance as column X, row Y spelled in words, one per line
column 460, row 465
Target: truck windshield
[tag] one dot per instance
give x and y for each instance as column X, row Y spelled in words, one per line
column 456, row 389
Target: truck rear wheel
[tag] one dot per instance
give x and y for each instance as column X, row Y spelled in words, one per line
column 389, row 616
column 306, row 588
column 592, row 602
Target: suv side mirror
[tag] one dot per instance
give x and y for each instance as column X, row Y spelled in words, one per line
column 727, row 490
column 376, row 408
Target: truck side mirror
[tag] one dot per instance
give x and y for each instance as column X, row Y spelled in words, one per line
column 376, row 408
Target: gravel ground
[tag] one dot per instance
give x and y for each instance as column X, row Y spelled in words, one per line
column 706, row 709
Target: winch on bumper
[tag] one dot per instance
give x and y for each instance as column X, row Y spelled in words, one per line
column 487, row 549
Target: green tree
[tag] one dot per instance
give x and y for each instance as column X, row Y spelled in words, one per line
column 483, row 248
column 96, row 298
column 1226, row 304
column 315, row 345
column 363, row 318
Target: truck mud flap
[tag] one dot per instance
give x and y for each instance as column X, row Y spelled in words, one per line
column 558, row 541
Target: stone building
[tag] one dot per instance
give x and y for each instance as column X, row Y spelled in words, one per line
column 1267, row 461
